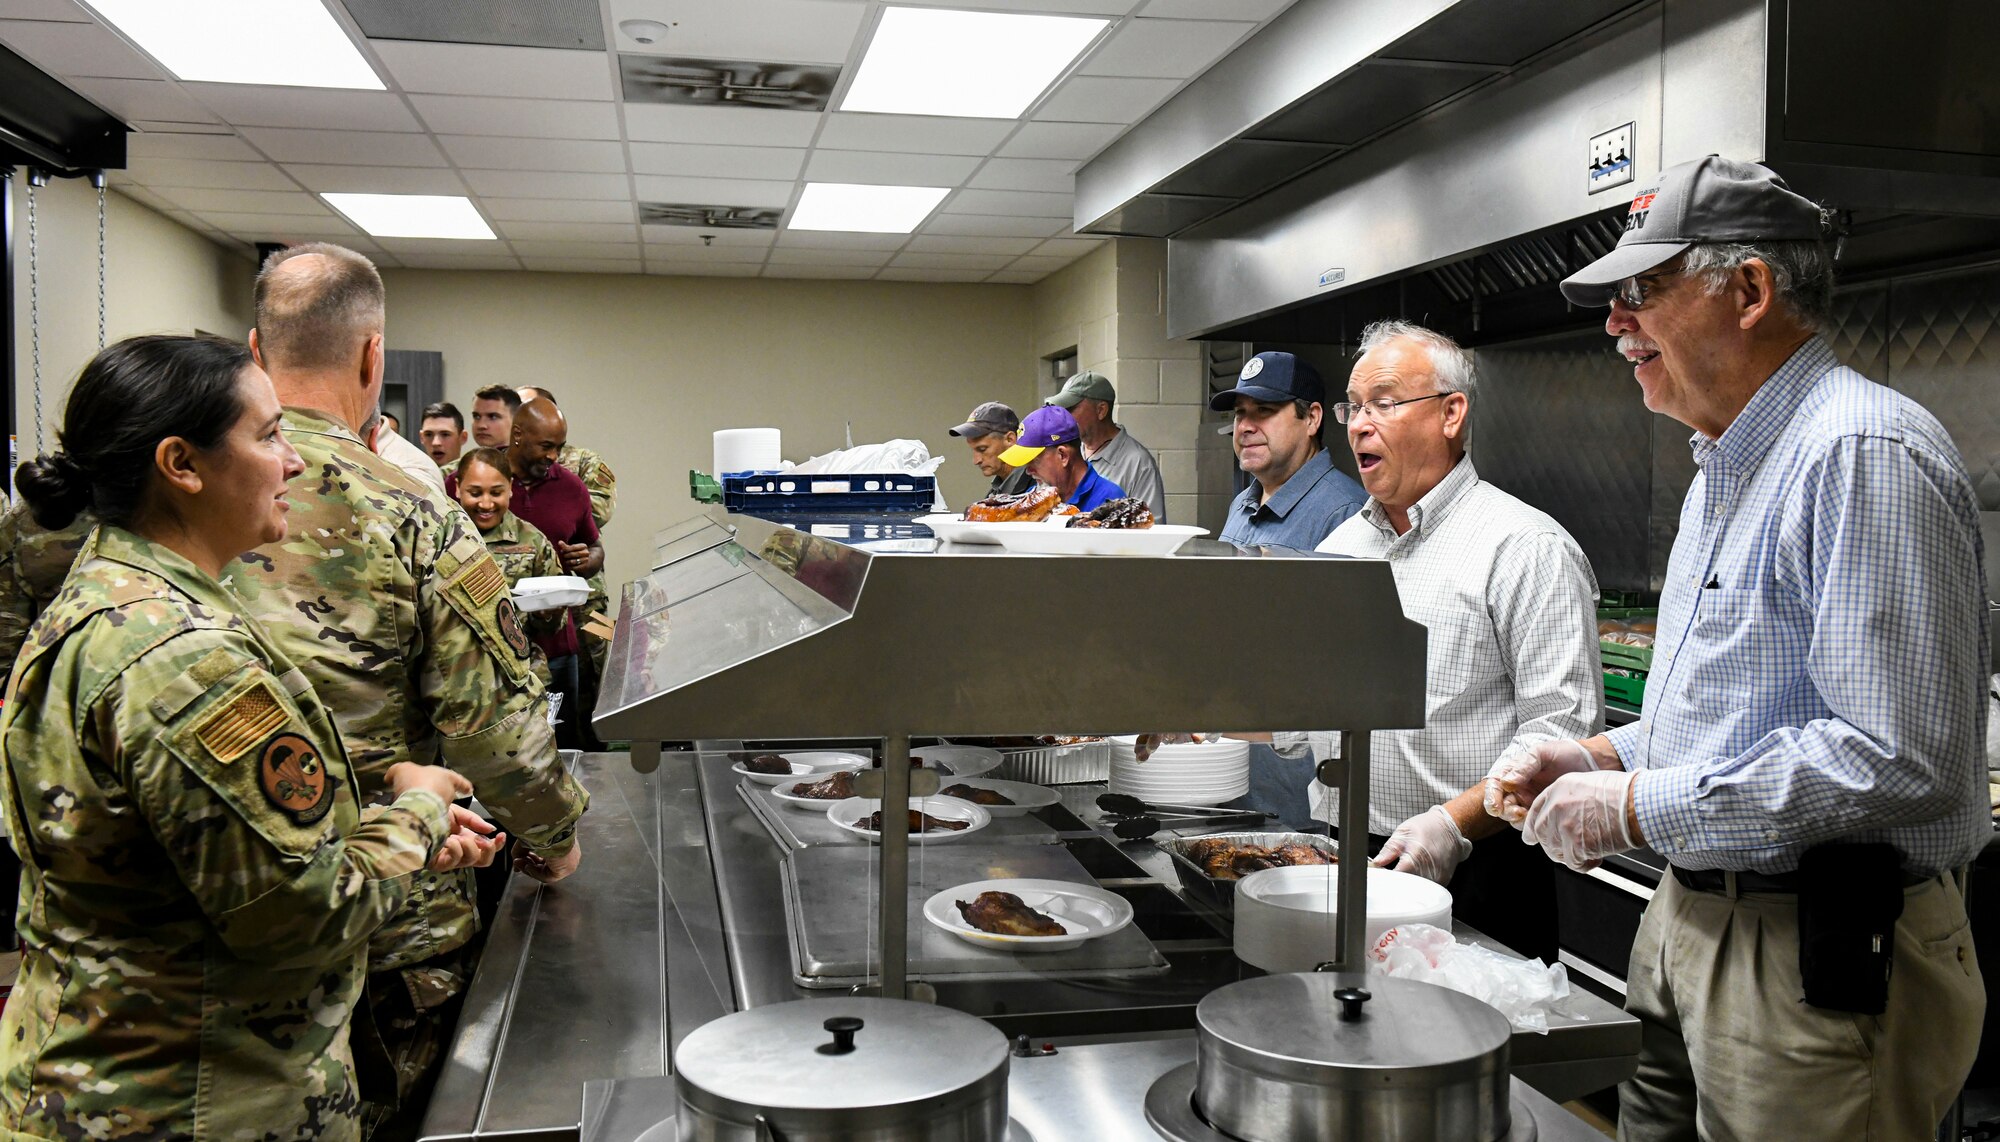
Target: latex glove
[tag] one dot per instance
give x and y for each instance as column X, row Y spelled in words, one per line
column 1583, row 817
column 1520, row 775
column 1147, row 743
column 1428, row 844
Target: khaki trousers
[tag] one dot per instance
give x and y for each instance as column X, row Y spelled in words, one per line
column 1731, row 1052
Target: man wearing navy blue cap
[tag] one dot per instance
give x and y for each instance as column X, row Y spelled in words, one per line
column 1298, row 496
column 1051, row 449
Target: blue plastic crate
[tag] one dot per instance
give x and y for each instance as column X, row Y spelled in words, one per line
column 843, row 492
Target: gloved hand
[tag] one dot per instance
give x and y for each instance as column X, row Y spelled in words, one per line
column 1520, row 775
column 1428, row 844
column 1147, row 743
column 1583, row 817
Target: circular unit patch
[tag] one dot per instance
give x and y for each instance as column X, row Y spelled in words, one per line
column 294, row 778
column 510, row 626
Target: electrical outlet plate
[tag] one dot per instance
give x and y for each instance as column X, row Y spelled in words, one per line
column 1611, row 158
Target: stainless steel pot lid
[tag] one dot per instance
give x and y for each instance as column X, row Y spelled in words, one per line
column 1349, row 1030
column 840, row 1054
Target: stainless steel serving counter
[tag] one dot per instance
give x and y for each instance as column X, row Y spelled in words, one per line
column 677, row 909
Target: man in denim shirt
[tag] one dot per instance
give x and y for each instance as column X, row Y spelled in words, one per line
column 1297, row 496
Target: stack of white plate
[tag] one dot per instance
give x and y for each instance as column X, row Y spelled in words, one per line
column 1205, row 773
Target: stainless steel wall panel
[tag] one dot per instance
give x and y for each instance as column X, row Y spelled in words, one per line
column 1944, row 352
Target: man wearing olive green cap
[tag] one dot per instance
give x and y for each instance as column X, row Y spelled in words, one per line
column 1111, row 450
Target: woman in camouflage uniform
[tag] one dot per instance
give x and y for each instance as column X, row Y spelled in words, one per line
column 198, row 884
column 485, row 488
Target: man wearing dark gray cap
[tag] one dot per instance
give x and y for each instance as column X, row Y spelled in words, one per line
column 990, row 430
column 1109, row 446
column 1808, row 761
column 1297, row 496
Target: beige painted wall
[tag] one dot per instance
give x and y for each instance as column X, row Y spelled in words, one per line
column 648, row 367
column 1111, row 307
column 161, row 278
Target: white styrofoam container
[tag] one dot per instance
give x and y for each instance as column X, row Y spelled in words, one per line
column 1284, row 916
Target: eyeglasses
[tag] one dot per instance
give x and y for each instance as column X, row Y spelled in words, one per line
column 1381, row 408
column 1632, row 291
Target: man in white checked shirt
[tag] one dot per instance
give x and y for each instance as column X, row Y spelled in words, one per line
column 1816, row 702
column 1509, row 601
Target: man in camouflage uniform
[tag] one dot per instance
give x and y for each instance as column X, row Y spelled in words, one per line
column 603, row 484
column 33, row 563
column 393, row 609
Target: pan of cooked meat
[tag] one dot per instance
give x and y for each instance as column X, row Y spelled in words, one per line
column 1210, row 866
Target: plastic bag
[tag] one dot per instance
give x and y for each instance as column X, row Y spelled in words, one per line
column 1525, row 991
column 911, row 457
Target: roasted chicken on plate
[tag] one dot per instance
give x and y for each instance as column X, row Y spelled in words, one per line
column 919, row 823
column 976, row 796
column 835, row 786
column 767, row 763
column 1004, row 914
column 1225, row 859
column 1037, row 503
column 1119, row 514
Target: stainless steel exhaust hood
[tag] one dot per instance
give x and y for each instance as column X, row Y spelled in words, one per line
column 1482, row 196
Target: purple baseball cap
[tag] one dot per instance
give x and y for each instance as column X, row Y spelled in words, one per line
column 1045, row 427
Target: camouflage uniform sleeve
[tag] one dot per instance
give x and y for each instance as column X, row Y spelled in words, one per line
column 249, row 800
column 476, row 683
column 603, row 485
column 17, row 602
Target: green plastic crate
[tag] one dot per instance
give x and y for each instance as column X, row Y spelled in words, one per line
column 1624, row 690
column 1629, row 657
column 704, row 488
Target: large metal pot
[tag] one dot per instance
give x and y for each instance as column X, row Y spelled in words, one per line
column 843, row 1070
column 1291, row 1058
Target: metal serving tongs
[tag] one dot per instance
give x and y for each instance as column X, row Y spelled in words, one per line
column 1138, row 819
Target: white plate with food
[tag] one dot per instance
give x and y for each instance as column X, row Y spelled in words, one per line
column 1020, row 798
column 945, row 818
column 958, row 760
column 957, row 529
column 777, row 769
column 1159, row 539
column 973, row 911
column 830, row 789
column 828, row 760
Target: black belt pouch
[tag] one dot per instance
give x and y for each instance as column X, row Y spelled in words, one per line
column 1849, row 899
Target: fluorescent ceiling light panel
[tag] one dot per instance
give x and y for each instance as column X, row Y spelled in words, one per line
column 282, row 43
column 865, row 209
column 975, row 65
column 412, row 215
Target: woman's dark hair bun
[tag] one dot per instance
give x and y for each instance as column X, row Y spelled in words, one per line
column 56, row 488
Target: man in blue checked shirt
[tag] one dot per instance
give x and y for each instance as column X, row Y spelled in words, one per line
column 1816, row 701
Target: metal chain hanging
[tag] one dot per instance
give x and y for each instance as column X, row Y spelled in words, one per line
column 98, row 180
column 35, row 180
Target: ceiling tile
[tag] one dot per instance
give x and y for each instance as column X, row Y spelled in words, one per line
column 432, row 261
column 528, row 118
column 717, row 162
column 1060, row 140
column 918, row 134
column 480, row 69
column 947, row 244
column 493, row 152
column 992, row 226
column 984, row 263
column 378, row 180
column 893, row 274
column 549, row 184
column 1171, row 49
column 786, row 256
column 261, row 227
column 1101, row 99
column 1021, row 202
column 801, row 31
column 447, row 247
column 1069, row 247
column 355, row 148
column 1017, row 277
column 556, row 210
column 889, row 168
column 544, row 249
column 250, row 106
column 714, row 191
column 196, row 172
column 697, row 270
column 820, row 272
column 171, row 127
column 572, row 231
column 75, row 49
column 244, row 201
column 131, row 99
column 840, row 240
column 707, row 255
column 182, row 145
column 1051, row 175
column 725, row 239
column 1082, row 7
column 1038, row 263
column 740, row 126
column 582, row 265
column 47, row 10
column 1209, row 9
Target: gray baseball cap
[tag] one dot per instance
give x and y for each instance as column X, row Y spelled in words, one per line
column 988, row 419
column 1708, row 200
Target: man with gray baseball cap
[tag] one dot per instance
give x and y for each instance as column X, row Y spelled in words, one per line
column 1109, row 446
column 990, row 430
column 1808, row 760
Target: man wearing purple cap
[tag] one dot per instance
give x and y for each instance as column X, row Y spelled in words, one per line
column 1051, row 449
column 1808, row 758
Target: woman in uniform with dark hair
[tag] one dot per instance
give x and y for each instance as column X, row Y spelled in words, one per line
column 198, row 883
